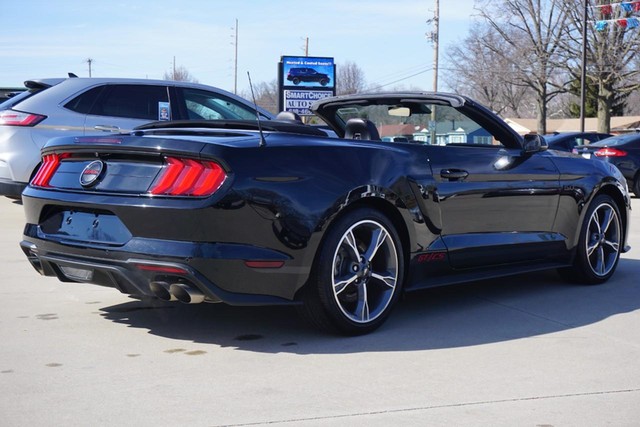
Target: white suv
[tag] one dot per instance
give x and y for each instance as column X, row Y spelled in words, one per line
column 94, row 106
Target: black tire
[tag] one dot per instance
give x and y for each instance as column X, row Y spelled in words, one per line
column 599, row 245
column 296, row 81
column 324, row 82
column 357, row 276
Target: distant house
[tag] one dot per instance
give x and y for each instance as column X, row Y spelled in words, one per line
column 446, row 132
column 460, row 132
column 397, row 130
column 618, row 125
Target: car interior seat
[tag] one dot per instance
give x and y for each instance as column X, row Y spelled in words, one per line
column 361, row 129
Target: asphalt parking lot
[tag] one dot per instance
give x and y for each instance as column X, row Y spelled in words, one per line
column 528, row 350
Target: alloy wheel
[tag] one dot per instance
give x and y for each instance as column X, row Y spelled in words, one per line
column 603, row 239
column 365, row 271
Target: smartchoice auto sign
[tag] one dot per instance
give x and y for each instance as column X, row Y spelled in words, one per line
column 299, row 101
column 304, row 80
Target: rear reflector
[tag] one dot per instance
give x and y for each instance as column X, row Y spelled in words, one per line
column 188, row 177
column 18, row 118
column 610, row 152
column 264, row 264
column 161, row 269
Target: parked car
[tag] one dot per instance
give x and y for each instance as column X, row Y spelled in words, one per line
column 297, row 75
column 623, row 151
column 278, row 212
column 567, row 141
column 88, row 106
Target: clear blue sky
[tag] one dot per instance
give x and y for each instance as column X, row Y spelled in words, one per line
column 139, row 38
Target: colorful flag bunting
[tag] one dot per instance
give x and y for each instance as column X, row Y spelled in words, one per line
column 623, row 10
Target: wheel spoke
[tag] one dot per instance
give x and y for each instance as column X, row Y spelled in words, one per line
column 351, row 242
column 362, row 309
column 592, row 247
column 388, row 279
column 615, row 246
column 595, row 220
column 339, row 285
column 608, row 218
column 378, row 236
column 600, row 265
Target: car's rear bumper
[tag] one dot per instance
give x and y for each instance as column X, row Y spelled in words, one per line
column 200, row 267
column 11, row 189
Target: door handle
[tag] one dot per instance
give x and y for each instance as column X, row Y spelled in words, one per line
column 107, row 128
column 454, row 174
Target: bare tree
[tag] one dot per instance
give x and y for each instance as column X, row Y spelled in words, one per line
column 266, row 95
column 179, row 74
column 531, row 31
column 480, row 72
column 349, row 79
column 612, row 53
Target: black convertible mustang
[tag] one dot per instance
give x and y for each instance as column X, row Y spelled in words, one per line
column 277, row 212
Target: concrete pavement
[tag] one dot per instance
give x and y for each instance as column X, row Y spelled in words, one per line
column 528, row 350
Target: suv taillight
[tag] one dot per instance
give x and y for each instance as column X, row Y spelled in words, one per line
column 18, row 118
column 188, row 177
column 610, row 152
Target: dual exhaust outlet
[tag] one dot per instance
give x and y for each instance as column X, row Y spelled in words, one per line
column 176, row 292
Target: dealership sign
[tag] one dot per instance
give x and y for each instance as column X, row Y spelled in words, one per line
column 304, row 80
column 299, row 101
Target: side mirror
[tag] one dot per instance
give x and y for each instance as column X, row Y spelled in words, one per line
column 533, row 143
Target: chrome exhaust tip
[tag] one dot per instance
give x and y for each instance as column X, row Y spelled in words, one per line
column 186, row 294
column 161, row 291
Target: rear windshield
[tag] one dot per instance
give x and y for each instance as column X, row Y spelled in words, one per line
column 12, row 102
column 616, row 140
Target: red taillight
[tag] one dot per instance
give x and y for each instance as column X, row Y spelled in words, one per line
column 188, row 177
column 50, row 164
column 610, row 152
column 18, row 118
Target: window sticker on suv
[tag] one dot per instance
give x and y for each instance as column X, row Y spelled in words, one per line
column 164, row 111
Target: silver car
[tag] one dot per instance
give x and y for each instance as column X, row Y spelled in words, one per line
column 95, row 106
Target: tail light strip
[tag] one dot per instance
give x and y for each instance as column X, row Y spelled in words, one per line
column 610, row 152
column 50, row 164
column 188, row 177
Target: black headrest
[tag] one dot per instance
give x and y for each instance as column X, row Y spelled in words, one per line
column 361, row 129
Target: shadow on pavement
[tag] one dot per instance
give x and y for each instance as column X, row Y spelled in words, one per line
column 474, row 314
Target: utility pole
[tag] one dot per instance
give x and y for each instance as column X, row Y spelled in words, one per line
column 436, row 36
column 583, row 74
column 89, row 61
column 433, row 36
column 235, row 61
column 306, row 47
column 174, row 68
